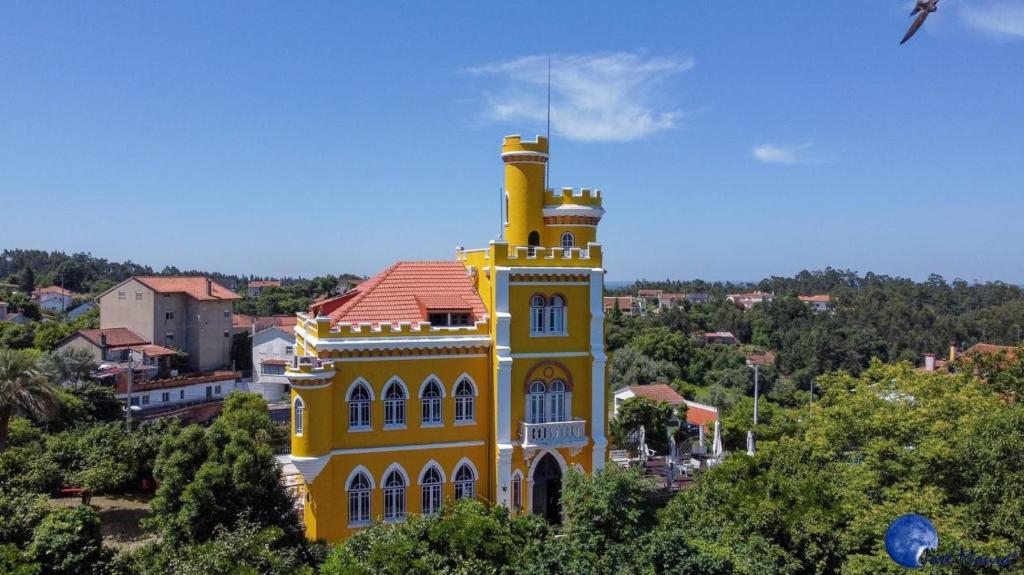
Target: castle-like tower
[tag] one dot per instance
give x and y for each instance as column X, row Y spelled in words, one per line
column 483, row 377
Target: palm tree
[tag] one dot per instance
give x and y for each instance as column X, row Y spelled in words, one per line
column 23, row 387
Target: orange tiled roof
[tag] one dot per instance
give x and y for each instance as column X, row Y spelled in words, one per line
column 700, row 414
column 153, row 350
column 38, row 292
column 825, row 298
column 116, row 337
column 241, row 321
column 403, row 293
column 264, row 283
column 657, row 392
column 194, row 287
column 990, row 348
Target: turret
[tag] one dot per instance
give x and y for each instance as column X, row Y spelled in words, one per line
column 525, row 166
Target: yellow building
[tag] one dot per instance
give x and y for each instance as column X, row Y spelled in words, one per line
column 481, row 377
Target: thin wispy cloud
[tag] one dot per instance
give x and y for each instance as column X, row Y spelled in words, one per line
column 1001, row 18
column 596, row 97
column 784, row 153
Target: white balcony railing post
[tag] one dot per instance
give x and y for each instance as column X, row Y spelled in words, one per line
column 553, row 433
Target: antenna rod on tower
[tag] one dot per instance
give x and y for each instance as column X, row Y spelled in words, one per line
column 547, row 132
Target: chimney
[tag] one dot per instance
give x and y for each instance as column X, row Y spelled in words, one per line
column 209, row 287
column 929, row 362
column 103, row 339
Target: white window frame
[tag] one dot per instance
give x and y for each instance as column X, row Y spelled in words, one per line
column 394, row 407
column 395, row 483
column 465, row 488
column 556, row 401
column 360, row 406
column 536, row 401
column 465, row 392
column 566, row 246
column 517, row 491
column 359, row 497
column 538, row 313
column 556, row 315
column 431, row 492
column 431, row 407
column 298, row 413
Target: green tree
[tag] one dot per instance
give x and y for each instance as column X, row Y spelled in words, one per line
column 68, row 542
column 23, row 387
column 49, row 334
column 246, row 549
column 638, row 411
column 27, row 281
column 14, row 562
column 22, row 511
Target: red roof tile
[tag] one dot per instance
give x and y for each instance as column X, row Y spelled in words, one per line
column 700, row 414
column 195, row 287
column 403, row 292
column 825, row 298
column 264, row 283
column 153, row 350
column 657, row 392
column 990, row 348
column 115, row 337
column 38, row 292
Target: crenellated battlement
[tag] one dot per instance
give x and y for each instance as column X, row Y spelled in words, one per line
column 501, row 253
column 570, row 197
column 321, row 328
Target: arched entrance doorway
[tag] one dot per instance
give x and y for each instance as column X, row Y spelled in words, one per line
column 547, row 489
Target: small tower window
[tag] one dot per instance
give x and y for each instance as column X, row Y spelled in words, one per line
column 533, row 241
column 300, row 408
column 568, row 241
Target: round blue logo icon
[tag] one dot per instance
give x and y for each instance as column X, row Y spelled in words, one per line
column 908, row 537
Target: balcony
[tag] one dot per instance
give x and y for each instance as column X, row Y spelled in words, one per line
column 571, row 433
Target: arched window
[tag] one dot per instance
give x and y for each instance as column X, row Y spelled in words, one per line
column 465, row 482
column 394, row 405
column 431, row 403
column 533, row 240
column 537, row 402
column 517, row 491
column 359, row 499
column 300, row 409
column 568, row 241
column 556, row 314
column 430, row 491
column 394, row 496
column 465, row 398
column 556, row 401
column 359, row 407
column 537, row 307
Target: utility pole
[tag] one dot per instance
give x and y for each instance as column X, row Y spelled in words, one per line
column 751, row 448
column 128, row 407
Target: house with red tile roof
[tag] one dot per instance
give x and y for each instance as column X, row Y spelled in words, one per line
column 120, row 347
column 722, row 337
column 696, row 413
column 819, row 302
column 193, row 314
column 54, row 298
column 750, row 299
column 628, row 305
column 256, row 287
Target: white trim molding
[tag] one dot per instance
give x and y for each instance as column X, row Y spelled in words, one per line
column 542, row 355
column 597, row 391
column 397, row 343
column 428, row 465
column 310, row 467
column 503, row 381
column 352, row 386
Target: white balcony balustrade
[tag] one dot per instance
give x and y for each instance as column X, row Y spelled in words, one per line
column 568, row 433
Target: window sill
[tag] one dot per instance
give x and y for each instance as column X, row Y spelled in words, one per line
column 394, row 426
column 432, row 424
column 549, row 334
column 395, row 520
column 358, row 524
column 465, row 422
column 360, row 429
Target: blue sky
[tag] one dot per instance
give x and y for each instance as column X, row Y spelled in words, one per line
column 731, row 140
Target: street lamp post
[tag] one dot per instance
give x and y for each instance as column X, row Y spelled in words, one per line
column 751, row 448
column 128, row 407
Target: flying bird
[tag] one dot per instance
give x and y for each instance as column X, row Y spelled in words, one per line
column 922, row 9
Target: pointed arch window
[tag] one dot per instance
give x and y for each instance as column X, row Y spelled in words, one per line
column 359, row 407
column 537, row 313
column 431, row 399
column 394, row 405
column 299, row 415
column 465, row 401
column 430, row 491
column 556, row 401
column 537, row 400
column 568, row 241
column 359, row 499
column 465, row 482
column 394, row 496
column 517, row 491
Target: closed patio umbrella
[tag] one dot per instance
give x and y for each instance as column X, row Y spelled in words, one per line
column 716, row 445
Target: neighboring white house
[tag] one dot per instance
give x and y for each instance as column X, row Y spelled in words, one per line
column 749, row 300
column 696, row 413
column 272, row 350
column 817, row 302
column 54, row 298
column 179, row 391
